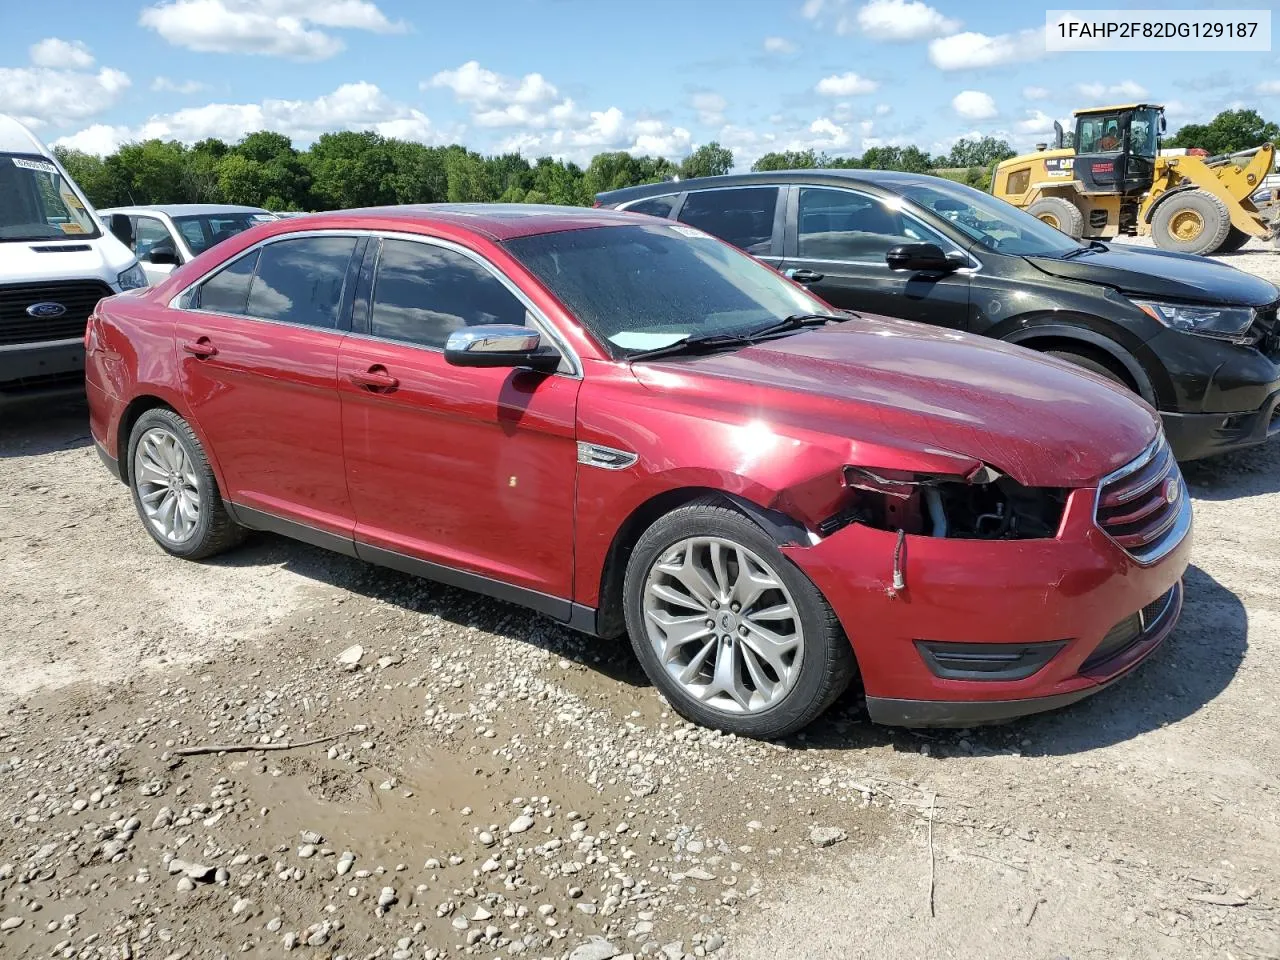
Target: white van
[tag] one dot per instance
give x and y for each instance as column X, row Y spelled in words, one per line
column 56, row 263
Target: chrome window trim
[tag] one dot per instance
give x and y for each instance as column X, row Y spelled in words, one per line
column 906, row 207
column 1182, row 523
column 675, row 195
column 544, row 324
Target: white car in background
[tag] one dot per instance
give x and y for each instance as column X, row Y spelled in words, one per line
column 165, row 236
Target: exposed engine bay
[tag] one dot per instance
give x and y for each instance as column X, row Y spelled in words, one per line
column 985, row 505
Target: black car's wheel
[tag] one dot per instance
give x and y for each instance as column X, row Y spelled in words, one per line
column 175, row 490
column 1191, row 222
column 1091, row 363
column 1060, row 214
column 730, row 631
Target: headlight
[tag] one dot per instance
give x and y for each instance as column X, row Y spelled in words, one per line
column 1226, row 323
column 133, row 278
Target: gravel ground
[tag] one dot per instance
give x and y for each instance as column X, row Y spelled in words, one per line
column 491, row 785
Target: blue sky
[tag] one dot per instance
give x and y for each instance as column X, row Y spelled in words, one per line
column 574, row 77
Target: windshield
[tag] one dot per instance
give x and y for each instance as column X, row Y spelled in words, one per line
column 646, row 286
column 37, row 203
column 993, row 223
column 202, row 232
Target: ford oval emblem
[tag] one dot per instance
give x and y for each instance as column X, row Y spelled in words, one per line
column 1171, row 489
column 46, row 311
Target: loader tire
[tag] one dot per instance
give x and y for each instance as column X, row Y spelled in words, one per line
column 1060, row 214
column 1236, row 238
column 1191, row 222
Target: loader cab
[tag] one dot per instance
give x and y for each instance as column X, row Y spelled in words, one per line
column 1116, row 148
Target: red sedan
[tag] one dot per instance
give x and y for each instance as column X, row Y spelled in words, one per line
column 629, row 426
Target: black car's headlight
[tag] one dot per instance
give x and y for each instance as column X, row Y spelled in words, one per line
column 1225, row 323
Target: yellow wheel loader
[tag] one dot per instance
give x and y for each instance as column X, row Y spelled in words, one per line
column 1116, row 180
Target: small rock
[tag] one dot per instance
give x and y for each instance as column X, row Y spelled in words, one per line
column 594, row 950
column 826, row 836
column 460, row 923
column 697, row 873
column 521, row 823
column 241, row 906
column 11, row 923
column 306, row 851
column 713, row 943
column 486, row 838
column 673, row 950
column 481, row 915
column 349, row 659
column 186, row 884
column 310, row 836
column 386, row 898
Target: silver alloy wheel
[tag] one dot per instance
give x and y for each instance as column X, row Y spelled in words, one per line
column 723, row 624
column 167, row 485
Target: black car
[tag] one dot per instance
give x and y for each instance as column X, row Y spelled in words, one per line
column 1198, row 340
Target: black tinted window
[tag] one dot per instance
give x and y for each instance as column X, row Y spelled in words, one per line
column 655, row 206
column 844, row 225
column 743, row 216
column 228, row 289
column 300, row 281
column 423, row 293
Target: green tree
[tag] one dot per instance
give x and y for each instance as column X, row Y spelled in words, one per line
column 709, row 160
column 155, row 171
column 103, row 183
column 468, row 176
column 978, row 153
column 1228, row 132
column 418, row 173
column 241, row 180
column 351, row 169
column 791, row 160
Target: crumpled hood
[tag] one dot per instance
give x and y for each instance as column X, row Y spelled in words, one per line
column 884, row 382
column 1163, row 274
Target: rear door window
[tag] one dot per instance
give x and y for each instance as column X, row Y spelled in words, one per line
column 742, row 216
column 846, row 225
column 301, row 281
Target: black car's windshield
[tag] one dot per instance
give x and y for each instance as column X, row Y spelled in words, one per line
column 993, row 223
column 202, row 232
column 37, row 203
column 641, row 287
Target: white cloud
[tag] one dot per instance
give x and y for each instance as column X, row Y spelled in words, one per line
column 1036, row 93
column 1124, row 90
column 883, row 109
column 974, row 105
column 710, row 107
column 1036, row 121
column 45, row 95
column 61, row 54
column 497, row 101
column 1268, row 88
column 973, row 51
column 812, row 8
column 352, row 106
column 281, row 28
column 845, row 85
column 780, row 45
column 900, row 20
column 165, row 85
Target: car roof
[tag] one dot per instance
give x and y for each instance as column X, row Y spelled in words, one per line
column 16, row 138
column 185, row 209
column 497, row 221
column 819, row 175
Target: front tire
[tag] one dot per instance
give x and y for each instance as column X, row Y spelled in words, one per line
column 1191, row 222
column 174, row 489
column 734, row 635
column 1092, row 364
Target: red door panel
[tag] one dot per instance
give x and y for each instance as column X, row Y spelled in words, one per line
column 469, row 468
column 266, row 398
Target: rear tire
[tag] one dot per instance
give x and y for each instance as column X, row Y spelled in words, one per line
column 1191, row 222
column 764, row 669
column 1092, row 364
column 1060, row 214
column 1236, row 238
column 174, row 489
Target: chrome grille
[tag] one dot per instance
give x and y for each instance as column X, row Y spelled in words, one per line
column 1144, row 506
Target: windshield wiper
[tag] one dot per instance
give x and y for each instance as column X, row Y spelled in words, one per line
column 1093, row 247
column 797, row 321
column 692, row 345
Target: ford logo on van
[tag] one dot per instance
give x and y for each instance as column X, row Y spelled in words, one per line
column 46, row 311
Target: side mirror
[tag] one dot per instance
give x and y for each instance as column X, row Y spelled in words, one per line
column 499, row 345
column 921, row 257
column 1059, row 136
column 1163, row 126
column 121, row 229
column 163, row 254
